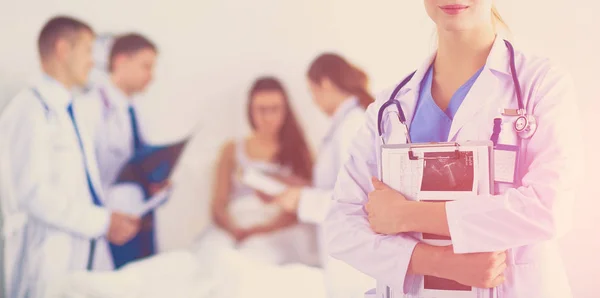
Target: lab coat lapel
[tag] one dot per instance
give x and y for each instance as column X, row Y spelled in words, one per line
column 117, row 124
column 89, row 152
column 478, row 97
column 486, row 87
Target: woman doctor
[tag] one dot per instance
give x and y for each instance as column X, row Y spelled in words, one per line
column 505, row 241
column 340, row 91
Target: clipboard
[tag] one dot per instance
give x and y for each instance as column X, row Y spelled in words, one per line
column 450, row 155
column 151, row 164
column 438, row 172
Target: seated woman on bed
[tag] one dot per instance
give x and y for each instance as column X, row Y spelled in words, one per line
column 242, row 217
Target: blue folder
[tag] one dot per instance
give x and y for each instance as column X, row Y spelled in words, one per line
column 151, row 165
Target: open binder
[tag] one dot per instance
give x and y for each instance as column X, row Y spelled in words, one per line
column 151, row 165
column 437, row 172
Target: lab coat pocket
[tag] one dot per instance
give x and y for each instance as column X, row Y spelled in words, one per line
column 484, row 125
column 533, row 254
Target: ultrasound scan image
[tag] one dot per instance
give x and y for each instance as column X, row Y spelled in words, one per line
column 447, row 171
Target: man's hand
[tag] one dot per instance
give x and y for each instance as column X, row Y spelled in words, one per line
column 155, row 188
column 384, row 209
column 480, row 270
column 122, row 228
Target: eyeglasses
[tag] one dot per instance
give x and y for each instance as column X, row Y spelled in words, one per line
column 268, row 109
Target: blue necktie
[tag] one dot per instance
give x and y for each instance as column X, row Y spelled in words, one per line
column 97, row 202
column 137, row 143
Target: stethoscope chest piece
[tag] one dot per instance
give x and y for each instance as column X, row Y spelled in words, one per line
column 525, row 126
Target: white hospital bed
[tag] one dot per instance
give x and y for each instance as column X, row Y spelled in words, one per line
column 227, row 274
column 211, row 269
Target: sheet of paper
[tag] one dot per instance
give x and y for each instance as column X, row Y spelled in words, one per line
column 505, row 163
column 154, row 202
column 405, row 175
column 262, row 182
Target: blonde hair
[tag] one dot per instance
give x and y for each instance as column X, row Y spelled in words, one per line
column 498, row 21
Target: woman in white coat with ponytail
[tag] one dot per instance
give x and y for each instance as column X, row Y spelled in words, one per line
column 477, row 87
column 340, row 91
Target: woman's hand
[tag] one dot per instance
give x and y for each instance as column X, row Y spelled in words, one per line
column 385, row 209
column 265, row 198
column 390, row 213
column 289, row 200
column 240, row 235
column 480, row 270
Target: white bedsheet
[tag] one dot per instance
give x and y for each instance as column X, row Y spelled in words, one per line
column 185, row 274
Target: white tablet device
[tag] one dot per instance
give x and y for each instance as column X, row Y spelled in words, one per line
column 155, row 201
column 263, row 183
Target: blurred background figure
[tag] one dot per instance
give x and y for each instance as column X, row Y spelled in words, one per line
column 276, row 146
column 340, row 90
column 110, row 115
column 101, row 55
column 51, row 194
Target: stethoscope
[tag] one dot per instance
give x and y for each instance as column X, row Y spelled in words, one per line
column 525, row 124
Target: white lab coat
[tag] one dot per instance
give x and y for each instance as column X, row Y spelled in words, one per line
column 341, row 280
column 526, row 220
column 107, row 118
column 49, row 213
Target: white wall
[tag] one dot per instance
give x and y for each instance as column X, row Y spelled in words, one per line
column 211, row 50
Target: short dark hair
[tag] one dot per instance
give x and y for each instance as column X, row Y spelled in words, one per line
column 57, row 28
column 129, row 44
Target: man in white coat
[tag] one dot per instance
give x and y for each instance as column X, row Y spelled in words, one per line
column 109, row 112
column 54, row 219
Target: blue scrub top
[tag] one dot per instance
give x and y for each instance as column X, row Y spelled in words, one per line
column 430, row 123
